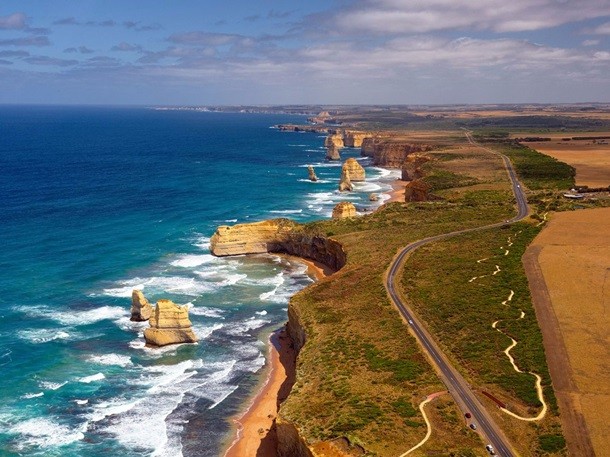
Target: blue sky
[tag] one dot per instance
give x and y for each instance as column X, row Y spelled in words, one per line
column 190, row 52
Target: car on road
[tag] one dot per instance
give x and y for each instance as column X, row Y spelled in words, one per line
column 410, row 322
column 473, row 426
column 490, row 449
column 468, row 415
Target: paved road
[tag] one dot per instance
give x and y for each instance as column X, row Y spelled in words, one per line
column 456, row 384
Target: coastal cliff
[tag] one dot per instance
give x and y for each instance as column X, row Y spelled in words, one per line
column 282, row 236
column 388, row 153
column 277, row 236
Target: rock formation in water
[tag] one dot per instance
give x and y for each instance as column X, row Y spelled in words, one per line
column 169, row 324
column 345, row 184
column 140, row 308
column 333, row 143
column 355, row 170
column 411, row 168
column 417, row 191
column 312, row 173
column 332, row 153
column 344, row 209
column 335, row 140
column 390, row 153
column 279, row 236
column 373, row 197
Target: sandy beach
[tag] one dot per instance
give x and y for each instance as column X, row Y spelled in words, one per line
column 397, row 194
column 255, row 433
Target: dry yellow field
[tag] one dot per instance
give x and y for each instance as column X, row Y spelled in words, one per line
column 591, row 160
column 573, row 254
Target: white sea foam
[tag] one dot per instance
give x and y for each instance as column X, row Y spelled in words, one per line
column 36, row 395
column 111, row 359
column 232, row 279
column 319, row 181
column 286, row 211
column 205, row 311
column 80, row 402
column 204, row 331
column 193, row 260
column 203, row 242
column 48, row 385
column 92, row 378
column 110, row 408
column 261, row 313
column 159, row 284
column 240, row 328
column 366, row 187
column 43, row 432
column 43, row 335
column 231, row 221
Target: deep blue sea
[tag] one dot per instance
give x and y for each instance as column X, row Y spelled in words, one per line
column 96, row 202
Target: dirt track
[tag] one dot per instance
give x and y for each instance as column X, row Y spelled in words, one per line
column 567, row 266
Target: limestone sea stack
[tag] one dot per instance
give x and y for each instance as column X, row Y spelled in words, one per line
column 333, row 143
column 312, row 173
column 355, row 170
column 140, row 308
column 169, row 324
column 343, row 210
column 373, row 197
column 345, row 185
column 332, row 153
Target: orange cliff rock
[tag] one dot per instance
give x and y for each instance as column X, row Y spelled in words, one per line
column 411, row 168
column 390, row 153
column 345, row 184
column 140, row 307
column 353, row 139
column 343, row 210
column 355, row 170
column 277, row 236
column 312, row 173
column 417, row 191
column 169, row 324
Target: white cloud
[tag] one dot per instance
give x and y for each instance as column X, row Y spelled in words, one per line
column 419, row 16
column 15, row 21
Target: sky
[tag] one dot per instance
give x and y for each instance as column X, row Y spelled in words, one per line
column 241, row 52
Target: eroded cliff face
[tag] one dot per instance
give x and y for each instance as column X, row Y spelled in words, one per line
column 279, row 236
column 390, row 153
column 353, row 139
column 343, row 210
column 411, row 168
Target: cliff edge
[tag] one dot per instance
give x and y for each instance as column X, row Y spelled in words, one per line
column 277, row 236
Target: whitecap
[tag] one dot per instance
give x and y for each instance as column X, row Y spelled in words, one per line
column 205, row 311
column 111, row 359
column 80, row 402
column 286, row 211
column 193, row 260
column 43, row 335
column 49, row 385
column 36, row 395
column 261, row 313
column 204, row 332
column 43, row 432
column 92, row 378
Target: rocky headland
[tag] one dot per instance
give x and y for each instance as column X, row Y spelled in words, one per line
column 390, row 153
column 280, row 236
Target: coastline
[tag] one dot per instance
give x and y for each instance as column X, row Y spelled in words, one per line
column 255, row 434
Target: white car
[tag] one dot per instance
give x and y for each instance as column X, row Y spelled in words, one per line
column 490, row 449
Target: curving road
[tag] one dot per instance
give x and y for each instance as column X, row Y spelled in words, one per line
column 456, row 384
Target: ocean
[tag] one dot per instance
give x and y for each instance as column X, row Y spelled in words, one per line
column 98, row 201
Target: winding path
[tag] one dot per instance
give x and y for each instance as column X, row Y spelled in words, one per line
column 427, row 400
column 456, row 384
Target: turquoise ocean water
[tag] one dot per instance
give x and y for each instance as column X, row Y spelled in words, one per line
column 95, row 202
